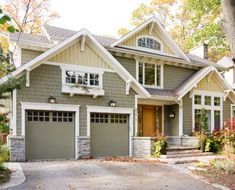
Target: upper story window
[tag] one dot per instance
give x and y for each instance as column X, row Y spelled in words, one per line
column 150, row 43
column 150, row 74
column 80, row 80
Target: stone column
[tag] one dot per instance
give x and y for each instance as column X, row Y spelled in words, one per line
column 17, row 148
column 83, row 147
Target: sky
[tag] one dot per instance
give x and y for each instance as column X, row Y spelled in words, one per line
column 102, row 17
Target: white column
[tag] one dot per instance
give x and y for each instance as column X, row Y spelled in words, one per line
column 180, row 120
column 13, row 123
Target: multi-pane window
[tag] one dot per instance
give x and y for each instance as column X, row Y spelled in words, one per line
column 82, row 78
column 149, row 43
column 207, row 100
column 99, row 118
column 197, row 99
column 118, row 118
column 217, row 119
column 62, row 116
column 216, row 101
column 150, row 74
column 38, row 116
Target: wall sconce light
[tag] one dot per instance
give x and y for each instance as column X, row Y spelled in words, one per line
column 112, row 103
column 172, row 115
column 52, row 100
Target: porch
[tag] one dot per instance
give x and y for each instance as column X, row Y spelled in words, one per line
column 156, row 118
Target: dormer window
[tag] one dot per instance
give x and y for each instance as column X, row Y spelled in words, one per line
column 149, row 43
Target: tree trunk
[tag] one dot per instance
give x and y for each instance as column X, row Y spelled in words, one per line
column 228, row 23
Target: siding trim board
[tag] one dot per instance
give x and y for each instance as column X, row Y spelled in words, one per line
column 51, row 107
column 117, row 110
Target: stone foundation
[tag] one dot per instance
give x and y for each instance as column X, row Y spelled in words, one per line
column 183, row 141
column 17, row 148
column 83, row 147
column 143, row 146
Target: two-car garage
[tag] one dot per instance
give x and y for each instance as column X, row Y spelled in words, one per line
column 51, row 134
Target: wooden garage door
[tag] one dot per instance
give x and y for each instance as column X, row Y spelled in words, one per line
column 49, row 135
column 109, row 135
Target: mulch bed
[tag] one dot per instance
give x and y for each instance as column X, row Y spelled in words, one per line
column 214, row 176
column 4, row 175
column 130, row 159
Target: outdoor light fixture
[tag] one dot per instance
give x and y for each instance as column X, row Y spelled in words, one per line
column 172, row 115
column 112, row 103
column 52, row 100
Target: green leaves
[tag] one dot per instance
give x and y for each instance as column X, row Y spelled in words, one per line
column 11, row 29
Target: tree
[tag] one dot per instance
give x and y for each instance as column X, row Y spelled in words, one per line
column 228, row 23
column 30, row 15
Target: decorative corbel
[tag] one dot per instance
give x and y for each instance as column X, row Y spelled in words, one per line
column 83, row 42
column 128, row 86
column 226, row 92
column 27, row 78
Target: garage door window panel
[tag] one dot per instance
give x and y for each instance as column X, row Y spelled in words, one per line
column 40, row 116
column 118, row 118
column 99, row 118
column 62, row 117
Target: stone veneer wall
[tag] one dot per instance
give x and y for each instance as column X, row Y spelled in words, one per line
column 183, row 141
column 17, row 148
column 83, row 147
column 143, row 146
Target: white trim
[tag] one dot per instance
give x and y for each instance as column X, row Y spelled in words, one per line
column 14, row 112
column 163, row 118
column 211, row 107
column 51, row 107
column 162, row 32
column 65, row 65
column 136, row 115
column 181, row 128
column 149, row 49
column 121, row 110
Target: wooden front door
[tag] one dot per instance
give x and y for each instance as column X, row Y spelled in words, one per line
column 149, row 121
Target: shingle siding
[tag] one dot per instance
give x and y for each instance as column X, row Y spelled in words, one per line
column 227, row 110
column 171, row 125
column 187, row 115
column 128, row 64
column 174, row 76
column 45, row 81
column 27, row 55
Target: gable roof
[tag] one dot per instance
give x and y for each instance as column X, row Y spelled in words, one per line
column 123, row 73
column 162, row 32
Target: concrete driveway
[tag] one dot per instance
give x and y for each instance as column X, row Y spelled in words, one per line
column 97, row 174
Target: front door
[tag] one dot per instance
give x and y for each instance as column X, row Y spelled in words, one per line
column 149, row 121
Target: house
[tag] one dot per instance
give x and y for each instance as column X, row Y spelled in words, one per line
column 88, row 95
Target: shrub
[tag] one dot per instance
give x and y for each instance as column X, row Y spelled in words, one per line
column 159, row 147
column 225, row 165
column 4, row 155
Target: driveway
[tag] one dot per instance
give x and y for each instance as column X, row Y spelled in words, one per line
column 97, row 174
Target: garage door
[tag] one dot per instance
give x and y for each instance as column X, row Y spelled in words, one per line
column 109, row 135
column 50, row 135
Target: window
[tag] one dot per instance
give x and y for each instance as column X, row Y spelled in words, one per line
column 62, row 116
column 118, row 118
column 216, row 101
column 150, row 74
column 99, row 118
column 150, row 43
column 82, row 78
column 207, row 100
column 217, row 119
column 197, row 99
column 42, row 116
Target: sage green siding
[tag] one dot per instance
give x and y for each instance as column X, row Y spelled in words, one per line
column 28, row 54
column 45, row 81
column 128, row 64
column 187, row 115
column 227, row 109
column 174, row 76
column 171, row 125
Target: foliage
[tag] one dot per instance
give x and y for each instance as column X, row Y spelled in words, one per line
column 4, row 124
column 159, row 146
column 4, row 155
column 30, row 15
column 225, row 165
column 190, row 23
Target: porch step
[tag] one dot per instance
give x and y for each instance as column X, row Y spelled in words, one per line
column 180, row 155
column 180, row 148
column 183, row 152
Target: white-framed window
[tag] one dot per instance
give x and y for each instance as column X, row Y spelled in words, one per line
column 82, row 80
column 149, row 74
column 149, row 42
column 212, row 102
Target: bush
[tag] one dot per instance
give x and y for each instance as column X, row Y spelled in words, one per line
column 4, row 155
column 224, row 165
column 159, row 147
